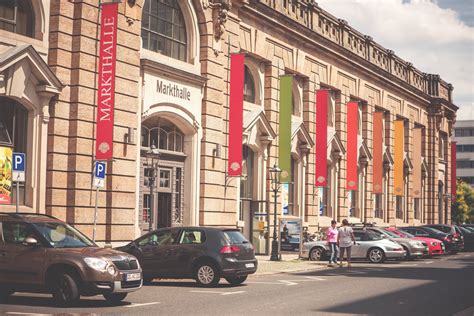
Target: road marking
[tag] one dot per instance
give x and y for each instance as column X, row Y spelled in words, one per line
column 218, row 292
column 141, row 304
column 289, row 283
column 315, row 278
column 428, row 262
column 262, row 282
column 20, row 313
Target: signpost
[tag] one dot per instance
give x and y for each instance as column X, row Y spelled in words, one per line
column 18, row 174
column 99, row 181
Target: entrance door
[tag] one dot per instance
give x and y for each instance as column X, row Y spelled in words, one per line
column 164, row 210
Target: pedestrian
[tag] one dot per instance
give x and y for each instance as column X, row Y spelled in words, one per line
column 331, row 235
column 345, row 239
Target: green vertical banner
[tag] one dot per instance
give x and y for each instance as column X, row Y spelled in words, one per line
column 284, row 145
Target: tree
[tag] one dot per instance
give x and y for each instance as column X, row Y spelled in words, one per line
column 463, row 208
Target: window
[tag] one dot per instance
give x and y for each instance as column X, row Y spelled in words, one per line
column 378, row 206
column 465, row 148
column 246, row 182
column 249, row 86
column 291, row 187
column 17, row 16
column 416, row 206
column 464, row 132
column 359, row 236
column 164, row 135
column 15, row 233
column 161, row 238
column 441, row 148
column 190, row 236
column 146, row 207
column 465, row 164
column 163, row 28
column 165, row 178
column 399, row 207
column 178, row 192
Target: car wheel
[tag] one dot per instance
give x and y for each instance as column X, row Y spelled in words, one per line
column 407, row 254
column 236, row 280
column 316, row 254
column 66, row 291
column 376, row 255
column 4, row 294
column 115, row 298
column 207, row 275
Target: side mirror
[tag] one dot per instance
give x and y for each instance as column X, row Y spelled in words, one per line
column 30, row 241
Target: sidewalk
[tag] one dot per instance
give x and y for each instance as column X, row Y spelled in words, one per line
column 289, row 263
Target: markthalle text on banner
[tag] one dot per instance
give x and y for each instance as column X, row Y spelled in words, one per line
column 106, row 93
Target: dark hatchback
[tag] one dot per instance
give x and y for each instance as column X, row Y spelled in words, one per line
column 202, row 253
column 424, row 231
column 451, row 230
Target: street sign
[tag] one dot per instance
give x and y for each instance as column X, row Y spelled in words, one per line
column 18, row 170
column 99, row 174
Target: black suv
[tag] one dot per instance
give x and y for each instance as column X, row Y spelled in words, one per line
column 40, row 253
column 202, row 253
column 452, row 230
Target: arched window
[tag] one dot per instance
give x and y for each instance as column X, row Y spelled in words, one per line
column 17, row 16
column 163, row 28
column 249, row 86
column 164, row 135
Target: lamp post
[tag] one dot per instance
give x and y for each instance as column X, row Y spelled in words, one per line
column 275, row 173
column 152, row 158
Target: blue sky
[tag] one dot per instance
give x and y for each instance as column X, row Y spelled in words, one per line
column 437, row 36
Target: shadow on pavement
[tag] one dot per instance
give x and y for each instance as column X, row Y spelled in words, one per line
column 44, row 301
column 453, row 289
column 177, row 283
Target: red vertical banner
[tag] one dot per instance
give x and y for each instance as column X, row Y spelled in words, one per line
column 236, row 105
column 322, row 99
column 453, row 172
column 106, row 93
column 352, row 144
column 377, row 157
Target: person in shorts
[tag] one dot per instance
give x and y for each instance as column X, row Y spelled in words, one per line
column 331, row 235
column 345, row 240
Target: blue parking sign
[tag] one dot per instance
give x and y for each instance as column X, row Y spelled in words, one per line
column 19, row 162
column 99, row 170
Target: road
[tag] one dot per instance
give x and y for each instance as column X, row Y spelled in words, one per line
column 438, row 286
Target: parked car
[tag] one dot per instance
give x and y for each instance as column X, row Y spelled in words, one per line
column 423, row 231
column 435, row 246
column 369, row 245
column 468, row 237
column 40, row 253
column 202, row 253
column 413, row 248
column 451, row 230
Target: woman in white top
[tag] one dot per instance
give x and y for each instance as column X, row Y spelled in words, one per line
column 345, row 239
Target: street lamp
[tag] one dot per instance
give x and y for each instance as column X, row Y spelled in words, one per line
column 275, row 173
column 152, row 158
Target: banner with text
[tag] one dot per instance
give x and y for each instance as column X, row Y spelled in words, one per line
column 106, row 93
column 236, row 105
column 378, row 152
column 5, row 175
column 322, row 99
column 284, row 145
column 352, row 144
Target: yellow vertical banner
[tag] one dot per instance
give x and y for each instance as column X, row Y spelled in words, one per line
column 417, row 139
column 5, row 175
column 398, row 157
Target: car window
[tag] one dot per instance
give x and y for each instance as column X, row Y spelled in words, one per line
column 62, row 235
column 15, row 233
column 192, row 236
column 162, row 238
column 235, row 237
column 359, row 236
column 373, row 236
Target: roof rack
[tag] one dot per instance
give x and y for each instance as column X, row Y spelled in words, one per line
column 21, row 214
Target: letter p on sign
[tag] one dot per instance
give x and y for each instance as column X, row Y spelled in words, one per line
column 19, row 167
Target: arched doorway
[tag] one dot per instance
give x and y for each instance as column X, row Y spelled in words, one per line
column 161, row 198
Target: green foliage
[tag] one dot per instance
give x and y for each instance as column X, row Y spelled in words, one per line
column 463, row 208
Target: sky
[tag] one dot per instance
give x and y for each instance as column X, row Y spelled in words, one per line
column 437, row 36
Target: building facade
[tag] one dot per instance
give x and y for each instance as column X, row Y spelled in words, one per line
column 172, row 116
column 464, row 138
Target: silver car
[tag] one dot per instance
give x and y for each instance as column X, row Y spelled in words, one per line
column 369, row 245
column 414, row 248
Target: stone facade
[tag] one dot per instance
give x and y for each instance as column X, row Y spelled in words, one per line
column 278, row 37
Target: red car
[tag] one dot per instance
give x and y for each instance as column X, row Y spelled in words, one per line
column 435, row 246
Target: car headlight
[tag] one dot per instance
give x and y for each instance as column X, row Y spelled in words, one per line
column 111, row 270
column 434, row 243
column 96, row 263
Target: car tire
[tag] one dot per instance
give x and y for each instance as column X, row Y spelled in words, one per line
column 66, row 290
column 115, row 298
column 376, row 255
column 407, row 254
column 206, row 274
column 5, row 294
column 236, row 280
column 316, row 254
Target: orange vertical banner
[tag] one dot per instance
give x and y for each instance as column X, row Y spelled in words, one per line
column 399, row 142
column 352, row 146
column 377, row 156
column 417, row 162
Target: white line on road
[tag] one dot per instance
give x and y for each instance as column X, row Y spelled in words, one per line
column 315, row 278
column 262, row 282
column 428, row 262
column 141, row 304
column 20, row 313
column 218, row 292
column 289, row 283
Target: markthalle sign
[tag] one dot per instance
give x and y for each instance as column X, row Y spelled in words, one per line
column 106, row 93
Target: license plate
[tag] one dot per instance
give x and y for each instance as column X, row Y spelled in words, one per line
column 133, row 276
column 249, row 265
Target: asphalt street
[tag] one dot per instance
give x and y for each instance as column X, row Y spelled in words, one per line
column 437, row 286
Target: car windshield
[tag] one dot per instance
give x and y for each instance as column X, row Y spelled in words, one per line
column 235, row 237
column 433, row 231
column 390, row 233
column 404, row 234
column 61, row 235
column 465, row 230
